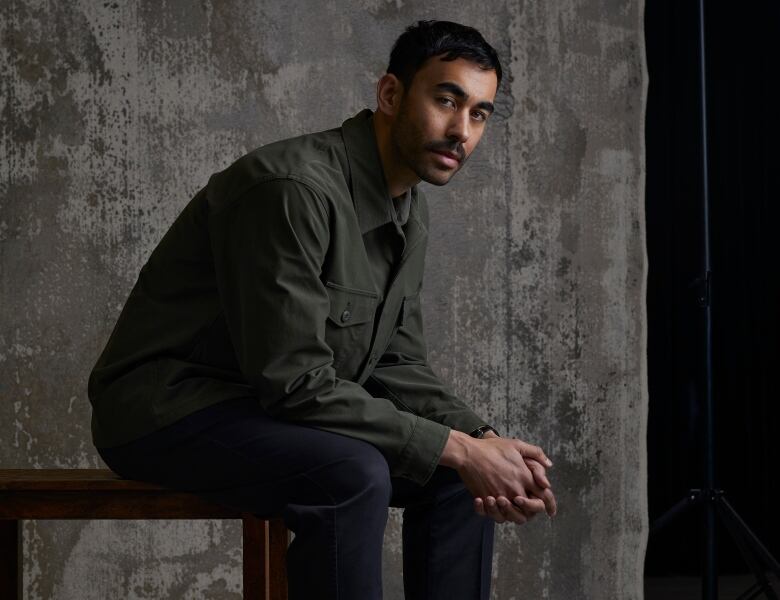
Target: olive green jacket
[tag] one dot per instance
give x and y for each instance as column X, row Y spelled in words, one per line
column 262, row 287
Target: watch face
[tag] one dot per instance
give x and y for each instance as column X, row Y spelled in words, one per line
column 481, row 431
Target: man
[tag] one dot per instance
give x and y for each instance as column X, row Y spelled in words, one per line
column 271, row 353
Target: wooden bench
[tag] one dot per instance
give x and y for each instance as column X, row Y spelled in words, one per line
column 101, row 494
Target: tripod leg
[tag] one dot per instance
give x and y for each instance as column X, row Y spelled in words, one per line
column 693, row 497
column 769, row 560
column 755, row 590
column 756, row 556
column 752, row 592
column 755, row 594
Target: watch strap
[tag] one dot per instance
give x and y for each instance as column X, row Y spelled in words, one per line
column 480, row 432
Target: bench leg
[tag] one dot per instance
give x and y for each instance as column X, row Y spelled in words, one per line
column 256, row 581
column 265, row 552
column 279, row 539
column 10, row 559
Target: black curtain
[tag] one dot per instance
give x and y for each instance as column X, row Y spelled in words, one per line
column 743, row 64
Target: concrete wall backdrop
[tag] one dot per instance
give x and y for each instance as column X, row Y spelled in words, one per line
column 115, row 113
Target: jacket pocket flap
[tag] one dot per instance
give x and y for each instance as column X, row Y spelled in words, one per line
column 350, row 306
column 409, row 304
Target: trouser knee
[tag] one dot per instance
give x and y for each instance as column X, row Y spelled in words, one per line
column 361, row 476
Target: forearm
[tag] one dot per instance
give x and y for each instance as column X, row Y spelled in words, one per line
column 414, row 387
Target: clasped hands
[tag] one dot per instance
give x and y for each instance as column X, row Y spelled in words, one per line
column 508, row 480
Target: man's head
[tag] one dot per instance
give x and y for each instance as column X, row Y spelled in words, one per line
column 436, row 98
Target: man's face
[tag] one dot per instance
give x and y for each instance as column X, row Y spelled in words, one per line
column 444, row 111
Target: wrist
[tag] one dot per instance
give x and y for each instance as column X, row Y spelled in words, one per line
column 456, row 450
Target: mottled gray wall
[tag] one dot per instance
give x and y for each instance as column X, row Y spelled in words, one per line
column 115, row 113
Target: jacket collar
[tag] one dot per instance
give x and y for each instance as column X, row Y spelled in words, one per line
column 370, row 195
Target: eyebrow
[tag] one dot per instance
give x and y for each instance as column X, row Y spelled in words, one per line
column 456, row 90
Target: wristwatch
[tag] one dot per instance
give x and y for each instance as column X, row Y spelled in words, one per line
column 480, row 432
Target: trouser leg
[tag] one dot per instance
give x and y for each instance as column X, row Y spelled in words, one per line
column 333, row 491
column 447, row 547
column 337, row 550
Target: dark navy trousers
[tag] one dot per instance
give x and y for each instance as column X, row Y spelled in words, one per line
column 332, row 491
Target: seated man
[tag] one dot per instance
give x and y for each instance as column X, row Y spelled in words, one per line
column 271, row 355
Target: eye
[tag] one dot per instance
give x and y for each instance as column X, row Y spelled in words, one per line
column 480, row 115
column 444, row 100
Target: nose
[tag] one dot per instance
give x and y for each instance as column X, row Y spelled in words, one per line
column 459, row 127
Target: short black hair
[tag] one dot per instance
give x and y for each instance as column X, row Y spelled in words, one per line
column 426, row 39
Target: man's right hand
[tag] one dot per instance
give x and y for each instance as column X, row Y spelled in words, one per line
column 500, row 509
column 506, row 476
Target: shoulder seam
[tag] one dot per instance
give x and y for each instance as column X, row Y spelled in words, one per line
column 306, row 182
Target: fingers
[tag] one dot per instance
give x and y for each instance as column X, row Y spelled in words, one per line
column 543, row 500
column 520, row 510
column 513, row 512
column 544, row 491
column 538, row 472
column 493, row 510
column 479, row 507
column 535, row 452
column 529, row 505
column 551, row 505
column 500, row 510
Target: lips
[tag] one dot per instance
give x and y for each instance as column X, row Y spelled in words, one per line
column 450, row 154
column 449, row 159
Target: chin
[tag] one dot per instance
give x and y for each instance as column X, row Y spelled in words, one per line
column 436, row 176
column 437, row 181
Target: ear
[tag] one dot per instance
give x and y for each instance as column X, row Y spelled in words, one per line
column 389, row 91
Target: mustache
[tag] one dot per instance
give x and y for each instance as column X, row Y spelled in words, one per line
column 448, row 148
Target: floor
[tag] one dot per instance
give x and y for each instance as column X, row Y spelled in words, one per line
column 689, row 588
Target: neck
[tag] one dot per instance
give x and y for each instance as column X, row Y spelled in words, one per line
column 399, row 178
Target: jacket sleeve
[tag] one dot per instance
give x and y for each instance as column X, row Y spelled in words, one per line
column 404, row 375
column 268, row 247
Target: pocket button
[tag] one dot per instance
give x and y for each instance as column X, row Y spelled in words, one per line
column 346, row 316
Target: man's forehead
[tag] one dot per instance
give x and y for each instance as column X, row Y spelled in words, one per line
column 442, row 75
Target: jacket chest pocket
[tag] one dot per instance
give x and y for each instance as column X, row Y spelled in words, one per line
column 349, row 326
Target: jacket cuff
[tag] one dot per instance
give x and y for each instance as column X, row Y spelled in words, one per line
column 422, row 452
column 465, row 421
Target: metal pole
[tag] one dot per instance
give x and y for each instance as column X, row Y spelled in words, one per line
column 710, row 583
